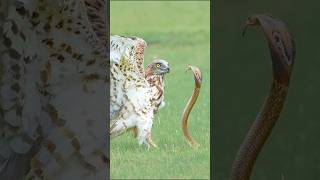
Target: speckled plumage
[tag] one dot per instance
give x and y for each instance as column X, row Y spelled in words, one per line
column 136, row 93
column 54, row 56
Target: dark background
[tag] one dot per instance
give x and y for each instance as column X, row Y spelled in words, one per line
column 241, row 79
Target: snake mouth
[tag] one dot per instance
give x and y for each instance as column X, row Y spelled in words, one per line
column 196, row 74
column 189, row 67
column 250, row 22
column 192, row 68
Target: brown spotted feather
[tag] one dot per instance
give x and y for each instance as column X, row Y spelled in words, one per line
column 55, row 52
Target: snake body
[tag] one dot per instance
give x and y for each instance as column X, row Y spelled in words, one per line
column 185, row 114
column 282, row 49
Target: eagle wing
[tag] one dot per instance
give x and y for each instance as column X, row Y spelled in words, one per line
column 127, row 71
column 132, row 48
column 131, row 94
column 53, row 75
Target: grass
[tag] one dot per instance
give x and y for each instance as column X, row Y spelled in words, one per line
column 178, row 32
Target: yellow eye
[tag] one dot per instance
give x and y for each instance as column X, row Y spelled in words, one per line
column 158, row 65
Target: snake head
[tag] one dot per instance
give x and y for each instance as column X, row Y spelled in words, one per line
column 281, row 44
column 196, row 74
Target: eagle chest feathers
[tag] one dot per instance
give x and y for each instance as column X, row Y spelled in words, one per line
column 157, row 84
column 136, row 94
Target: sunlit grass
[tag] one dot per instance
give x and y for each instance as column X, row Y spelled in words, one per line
column 178, row 32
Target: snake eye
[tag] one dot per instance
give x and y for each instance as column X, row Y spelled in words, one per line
column 158, row 65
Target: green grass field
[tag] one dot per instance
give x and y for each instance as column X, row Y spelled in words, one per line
column 180, row 33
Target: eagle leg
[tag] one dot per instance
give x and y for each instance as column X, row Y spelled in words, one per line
column 150, row 141
column 144, row 133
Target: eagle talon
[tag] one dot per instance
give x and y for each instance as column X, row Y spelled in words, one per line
column 150, row 141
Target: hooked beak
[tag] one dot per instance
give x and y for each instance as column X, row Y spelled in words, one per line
column 164, row 70
column 168, row 69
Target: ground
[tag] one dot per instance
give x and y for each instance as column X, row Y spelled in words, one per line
column 178, row 32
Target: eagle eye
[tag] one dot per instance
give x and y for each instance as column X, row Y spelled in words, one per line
column 158, row 65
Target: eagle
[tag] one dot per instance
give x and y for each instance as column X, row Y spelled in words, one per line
column 54, row 62
column 136, row 93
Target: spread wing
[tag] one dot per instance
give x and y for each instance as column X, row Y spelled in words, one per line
column 127, row 71
column 131, row 48
column 53, row 75
column 132, row 104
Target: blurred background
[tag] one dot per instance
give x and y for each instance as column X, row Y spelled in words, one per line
column 241, row 78
column 180, row 33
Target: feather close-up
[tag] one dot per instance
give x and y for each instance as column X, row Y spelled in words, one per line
column 54, row 58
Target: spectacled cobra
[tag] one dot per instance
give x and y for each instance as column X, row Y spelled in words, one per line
column 185, row 114
column 282, row 49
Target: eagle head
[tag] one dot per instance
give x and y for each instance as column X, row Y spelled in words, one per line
column 158, row 67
